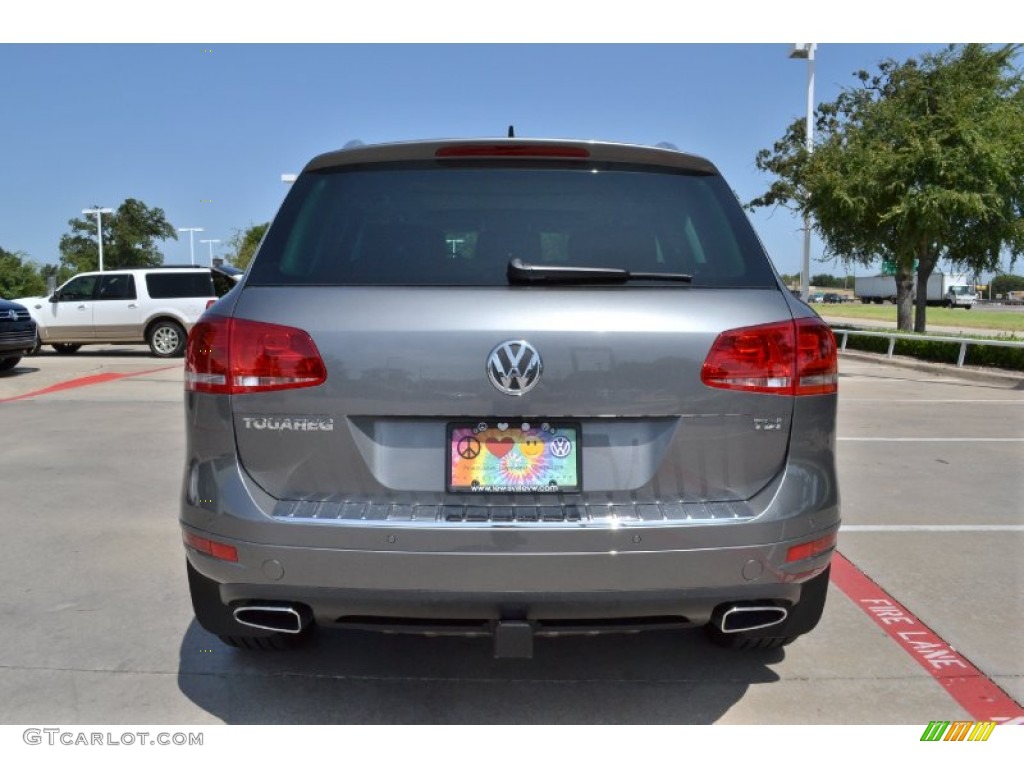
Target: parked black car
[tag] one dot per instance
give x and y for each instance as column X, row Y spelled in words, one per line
column 17, row 334
column 833, row 298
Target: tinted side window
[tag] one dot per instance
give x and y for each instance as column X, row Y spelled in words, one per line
column 222, row 283
column 179, row 285
column 79, row 289
column 114, row 287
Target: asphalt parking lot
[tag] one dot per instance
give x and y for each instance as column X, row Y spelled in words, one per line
column 925, row 618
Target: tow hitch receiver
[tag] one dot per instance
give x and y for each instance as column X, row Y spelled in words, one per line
column 513, row 640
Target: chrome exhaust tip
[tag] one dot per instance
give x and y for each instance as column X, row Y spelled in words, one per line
column 740, row 618
column 290, row 619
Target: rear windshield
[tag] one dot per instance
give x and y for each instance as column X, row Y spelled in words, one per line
column 460, row 225
column 180, row 285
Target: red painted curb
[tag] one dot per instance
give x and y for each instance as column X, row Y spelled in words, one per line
column 968, row 685
column 84, row 381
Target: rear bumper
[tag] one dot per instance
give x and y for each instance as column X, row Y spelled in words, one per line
column 647, row 576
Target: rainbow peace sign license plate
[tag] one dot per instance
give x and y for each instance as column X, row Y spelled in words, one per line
column 514, row 457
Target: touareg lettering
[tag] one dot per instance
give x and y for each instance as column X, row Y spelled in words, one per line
column 288, row 424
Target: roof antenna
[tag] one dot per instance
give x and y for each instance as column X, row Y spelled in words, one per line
column 511, row 131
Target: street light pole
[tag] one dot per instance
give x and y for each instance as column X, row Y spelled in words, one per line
column 210, row 243
column 806, row 51
column 191, row 241
column 99, row 227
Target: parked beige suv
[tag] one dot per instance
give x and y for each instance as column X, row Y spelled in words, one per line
column 155, row 306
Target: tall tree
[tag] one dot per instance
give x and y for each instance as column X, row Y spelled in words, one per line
column 243, row 244
column 60, row 273
column 18, row 276
column 1003, row 284
column 826, row 281
column 129, row 238
column 924, row 160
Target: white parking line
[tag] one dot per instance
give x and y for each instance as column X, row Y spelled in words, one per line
column 932, row 528
column 931, row 439
column 1019, row 401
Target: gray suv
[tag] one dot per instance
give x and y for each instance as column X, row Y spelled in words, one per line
column 514, row 388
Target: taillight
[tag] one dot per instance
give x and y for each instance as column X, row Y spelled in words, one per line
column 817, row 360
column 210, row 303
column 789, row 358
column 233, row 356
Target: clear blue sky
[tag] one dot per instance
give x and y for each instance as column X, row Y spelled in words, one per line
column 177, row 125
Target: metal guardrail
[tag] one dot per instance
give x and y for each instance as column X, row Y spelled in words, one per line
column 894, row 337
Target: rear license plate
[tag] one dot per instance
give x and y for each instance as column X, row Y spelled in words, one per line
column 514, row 457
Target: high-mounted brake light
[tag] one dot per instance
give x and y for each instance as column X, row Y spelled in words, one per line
column 788, row 358
column 233, row 356
column 513, row 150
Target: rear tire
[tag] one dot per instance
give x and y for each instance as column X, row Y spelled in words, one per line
column 67, row 349
column 802, row 618
column 8, row 363
column 167, row 339
column 217, row 618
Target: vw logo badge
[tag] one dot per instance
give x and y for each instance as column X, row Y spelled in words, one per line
column 12, row 314
column 514, row 367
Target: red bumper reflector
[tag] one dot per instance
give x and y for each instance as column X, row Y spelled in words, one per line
column 210, row 547
column 811, row 548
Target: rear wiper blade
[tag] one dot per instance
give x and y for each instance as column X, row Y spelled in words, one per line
column 521, row 273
